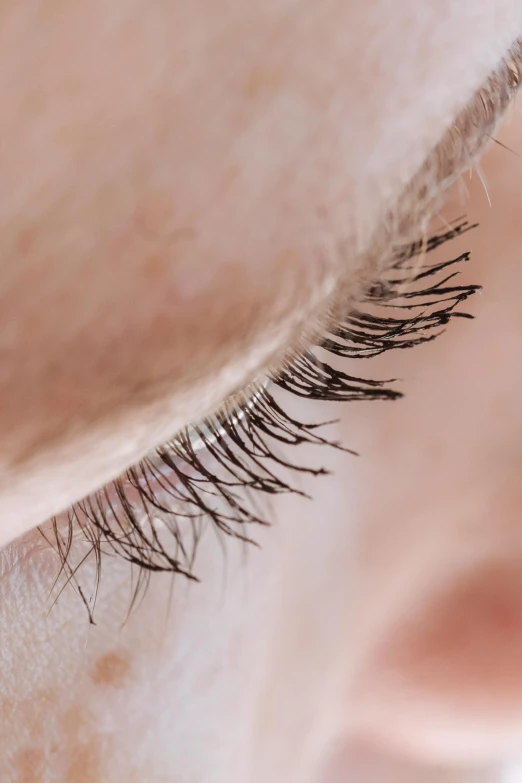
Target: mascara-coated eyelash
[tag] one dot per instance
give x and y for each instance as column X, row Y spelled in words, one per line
column 212, row 475
column 215, row 473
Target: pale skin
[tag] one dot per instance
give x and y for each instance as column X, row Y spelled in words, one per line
column 184, row 185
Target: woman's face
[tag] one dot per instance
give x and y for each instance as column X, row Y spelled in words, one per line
column 186, row 191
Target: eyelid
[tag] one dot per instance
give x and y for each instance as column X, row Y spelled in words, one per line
column 114, row 397
column 502, row 88
column 465, row 138
column 200, row 435
column 473, row 126
column 185, row 489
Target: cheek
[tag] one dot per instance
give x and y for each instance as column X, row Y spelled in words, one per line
column 171, row 686
column 80, row 702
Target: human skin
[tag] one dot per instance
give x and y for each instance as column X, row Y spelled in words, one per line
column 126, row 213
column 319, row 621
column 248, row 151
column 442, row 679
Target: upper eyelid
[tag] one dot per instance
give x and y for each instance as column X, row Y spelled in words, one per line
column 464, row 139
column 479, row 116
column 108, row 519
column 456, row 151
column 145, row 390
column 200, row 435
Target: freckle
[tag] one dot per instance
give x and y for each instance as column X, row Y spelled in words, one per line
column 29, row 764
column 85, row 766
column 111, row 670
column 27, row 239
column 82, row 747
column 153, row 266
column 183, row 234
column 155, row 214
column 73, row 726
column 262, row 80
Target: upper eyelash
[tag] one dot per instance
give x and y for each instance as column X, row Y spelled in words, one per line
column 402, row 310
column 387, row 318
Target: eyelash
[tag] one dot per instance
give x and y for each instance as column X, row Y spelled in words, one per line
column 155, row 514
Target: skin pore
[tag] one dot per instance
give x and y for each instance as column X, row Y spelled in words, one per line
column 161, row 244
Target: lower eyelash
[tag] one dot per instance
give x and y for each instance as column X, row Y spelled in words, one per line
column 216, row 471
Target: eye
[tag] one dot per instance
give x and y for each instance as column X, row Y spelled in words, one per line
column 213, row 476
